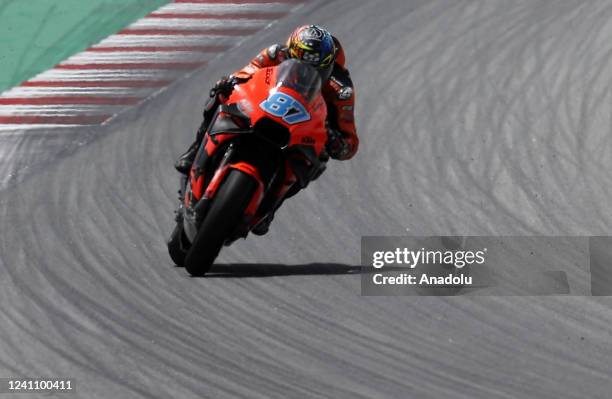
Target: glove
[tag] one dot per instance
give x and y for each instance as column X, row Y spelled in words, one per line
column 336, row 146
column 224, row 86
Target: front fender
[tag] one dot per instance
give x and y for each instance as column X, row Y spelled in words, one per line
column 247, row 168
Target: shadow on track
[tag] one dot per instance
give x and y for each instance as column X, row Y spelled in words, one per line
column 240, row 270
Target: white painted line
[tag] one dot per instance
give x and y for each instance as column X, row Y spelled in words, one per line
column 28, row 92
column 166, row 40
column 90, row 57
column 170, row 23
column 105, row 75
column 184, row 8
column 24, row 127
column 53, row 110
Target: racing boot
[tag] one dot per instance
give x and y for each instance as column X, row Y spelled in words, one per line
column 183, row 165
column 264, row 225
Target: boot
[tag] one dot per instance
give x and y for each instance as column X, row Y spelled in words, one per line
column 183, row 165
column 264, row 225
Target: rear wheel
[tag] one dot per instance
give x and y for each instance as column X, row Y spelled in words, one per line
column 222, row 219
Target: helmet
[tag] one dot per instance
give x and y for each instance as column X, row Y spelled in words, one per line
column 314, row 45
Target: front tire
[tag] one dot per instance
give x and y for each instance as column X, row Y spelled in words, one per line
column 224, row 216
column 175, row 245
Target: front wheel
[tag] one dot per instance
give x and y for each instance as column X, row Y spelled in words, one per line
column 222, row 219
column 175, row 245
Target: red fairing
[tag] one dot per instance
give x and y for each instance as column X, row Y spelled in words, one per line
column 251, row 94
column 310, row 130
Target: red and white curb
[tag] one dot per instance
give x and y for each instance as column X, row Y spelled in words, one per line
column 124, row 69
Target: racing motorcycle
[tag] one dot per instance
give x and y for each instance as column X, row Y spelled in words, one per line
column 266, row 140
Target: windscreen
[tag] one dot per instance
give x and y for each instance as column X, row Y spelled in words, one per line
column 301, row 77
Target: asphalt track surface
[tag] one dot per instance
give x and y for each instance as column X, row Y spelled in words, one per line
column 476, row 117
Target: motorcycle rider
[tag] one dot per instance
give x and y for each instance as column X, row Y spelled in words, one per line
column 312, row 44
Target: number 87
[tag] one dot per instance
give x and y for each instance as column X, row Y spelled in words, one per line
column 281, row 104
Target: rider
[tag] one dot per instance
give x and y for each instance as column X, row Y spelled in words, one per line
column 312, row 44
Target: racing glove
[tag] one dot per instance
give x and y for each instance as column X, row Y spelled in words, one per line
column 225, row 86
column 220, row 91
column 336, row 146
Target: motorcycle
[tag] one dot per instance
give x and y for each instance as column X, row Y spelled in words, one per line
column 265, row 142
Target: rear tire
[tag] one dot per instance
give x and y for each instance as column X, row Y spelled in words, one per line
column 222, row 219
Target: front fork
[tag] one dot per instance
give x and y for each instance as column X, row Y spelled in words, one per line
column 181, row 197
